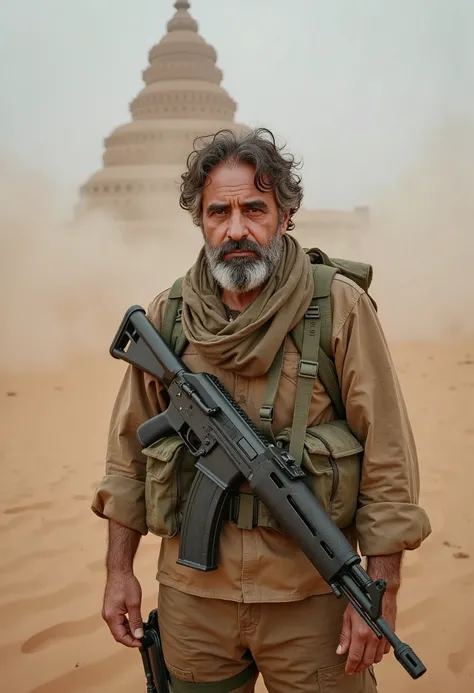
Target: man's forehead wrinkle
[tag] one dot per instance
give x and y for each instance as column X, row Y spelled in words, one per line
column 237, row 195
column 239, row 189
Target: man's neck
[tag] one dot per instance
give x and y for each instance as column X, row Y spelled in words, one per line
column 239, row 301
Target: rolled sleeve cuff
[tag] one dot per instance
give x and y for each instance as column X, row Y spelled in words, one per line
column 385, row 528
column 121, row 499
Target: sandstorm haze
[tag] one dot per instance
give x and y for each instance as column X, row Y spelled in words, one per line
column 66, row 283
column 376, row 97
column 373, row 97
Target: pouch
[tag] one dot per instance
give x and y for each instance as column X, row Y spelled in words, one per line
column 332, row 459
column 170, row 471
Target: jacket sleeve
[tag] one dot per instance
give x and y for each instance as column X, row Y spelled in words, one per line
column 389, row 518
column 120, row 495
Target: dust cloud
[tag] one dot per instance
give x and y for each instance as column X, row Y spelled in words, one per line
column 65, row 285
column 422, row 242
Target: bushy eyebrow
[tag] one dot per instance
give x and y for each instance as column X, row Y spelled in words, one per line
column 216, row 207
column 256, row 204
column 250, row 204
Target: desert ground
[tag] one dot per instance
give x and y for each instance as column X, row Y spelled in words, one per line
column 54, row 422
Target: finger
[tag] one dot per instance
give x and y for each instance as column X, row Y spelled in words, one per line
column 370, row 651
column 135, row 619
column 356, row 651
column 128, row 640
column 118, row 627
column 345, row 637
column 120, row 630
column 387, row 646
column 381, row 651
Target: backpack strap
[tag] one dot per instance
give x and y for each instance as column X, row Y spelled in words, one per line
column 267, row 411
column 313, row 338
column 323, row 276
column 329, row 378
column 171, row 329
column 308, row 369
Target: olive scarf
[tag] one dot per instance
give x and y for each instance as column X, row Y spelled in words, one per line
column 249, row 343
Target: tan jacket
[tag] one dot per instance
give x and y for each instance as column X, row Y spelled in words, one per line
column 263, row 565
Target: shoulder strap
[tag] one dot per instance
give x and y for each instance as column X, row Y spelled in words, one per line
column 313, row 338
column 308, row 368
column 323, row 276
column 171, row 329
column 267, row 412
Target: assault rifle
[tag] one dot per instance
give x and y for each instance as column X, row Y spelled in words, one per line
column 230, row 449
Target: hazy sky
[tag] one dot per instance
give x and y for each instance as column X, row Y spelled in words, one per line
column 352, row 85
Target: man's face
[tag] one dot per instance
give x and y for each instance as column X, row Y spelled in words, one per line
column 241, row 228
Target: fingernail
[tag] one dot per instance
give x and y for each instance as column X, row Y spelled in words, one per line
column 339, row 649
column 139, row 633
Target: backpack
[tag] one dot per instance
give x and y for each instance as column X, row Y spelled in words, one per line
column 312, row 335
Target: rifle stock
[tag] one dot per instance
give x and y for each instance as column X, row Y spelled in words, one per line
column 229, row 449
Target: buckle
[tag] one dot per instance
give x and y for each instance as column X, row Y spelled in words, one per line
column 243, row 509
column 312, row 312
column 308, row 369
column 267, row 413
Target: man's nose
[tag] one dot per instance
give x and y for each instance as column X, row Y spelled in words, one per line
column 237, row 227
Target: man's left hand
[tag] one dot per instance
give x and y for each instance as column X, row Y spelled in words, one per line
column 360, row 641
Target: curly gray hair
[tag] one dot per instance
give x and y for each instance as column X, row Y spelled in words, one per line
column 273, row 171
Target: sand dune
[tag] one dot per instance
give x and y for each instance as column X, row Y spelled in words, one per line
column 52, row 637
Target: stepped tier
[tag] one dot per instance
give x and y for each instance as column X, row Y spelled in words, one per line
column 182, row 99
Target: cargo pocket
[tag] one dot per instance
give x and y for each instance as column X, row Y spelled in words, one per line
column 335, row 680
column 332, row 458
column 170, row 470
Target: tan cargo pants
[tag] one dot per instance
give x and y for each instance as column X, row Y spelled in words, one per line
column 293, row 645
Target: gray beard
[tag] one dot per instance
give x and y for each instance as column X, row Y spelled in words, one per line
column 243, row 274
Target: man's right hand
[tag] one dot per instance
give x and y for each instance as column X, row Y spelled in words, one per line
column 122, row 597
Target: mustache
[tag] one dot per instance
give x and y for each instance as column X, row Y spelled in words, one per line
column 243, row 245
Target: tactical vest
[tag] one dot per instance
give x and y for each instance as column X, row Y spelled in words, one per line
column 330, row 453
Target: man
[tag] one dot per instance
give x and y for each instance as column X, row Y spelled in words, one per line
column 265, row 608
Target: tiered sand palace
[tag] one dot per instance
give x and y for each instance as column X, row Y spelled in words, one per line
column 143, row 160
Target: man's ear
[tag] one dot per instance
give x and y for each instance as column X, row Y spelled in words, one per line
column 285, row 218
